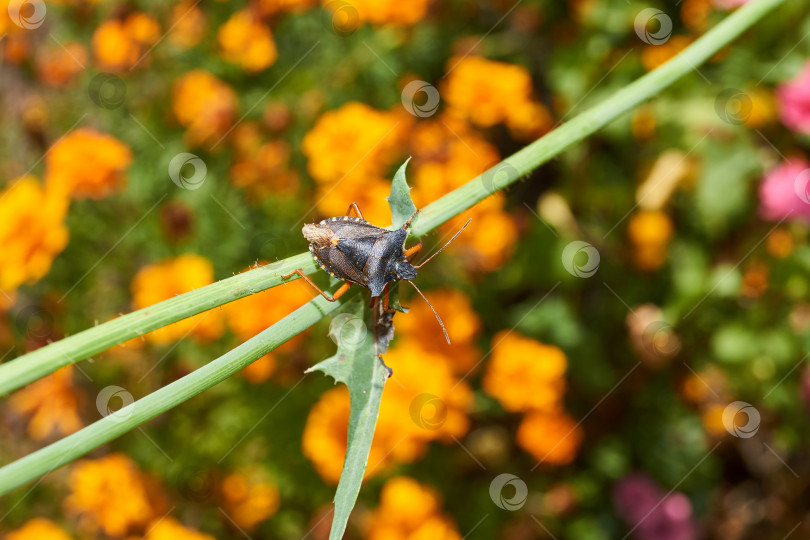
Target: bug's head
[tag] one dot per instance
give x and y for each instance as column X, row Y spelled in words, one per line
column 404, row 270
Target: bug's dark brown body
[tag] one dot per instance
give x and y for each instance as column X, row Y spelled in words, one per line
column 356, row 251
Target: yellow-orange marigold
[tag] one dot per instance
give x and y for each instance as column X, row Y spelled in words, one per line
column 552, row 438
column 118, row 45
column 111, row 494
column 429, row 403
column 353, row 140
column 87, row 164
column 409, row 509
column 388, row 12
column 246, row 41
column 32, row 232
column 51, row 402
column 270, row 7
column 460, row 319
column 369, row 194
column 248, row 502
column 653, row 56
column 163, row 280
column 650, row 232
column 187, row 25
column 38, row 529
column 169, row 528
column 58, row 66
column 204, row 105
column 488, row 92
column 265, row 171
column 525, row 374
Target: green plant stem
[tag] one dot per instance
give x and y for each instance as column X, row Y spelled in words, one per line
column 32, row 366
column 127, row 418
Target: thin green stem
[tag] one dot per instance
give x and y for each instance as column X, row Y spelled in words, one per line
column 128, row 418
column 32, row 366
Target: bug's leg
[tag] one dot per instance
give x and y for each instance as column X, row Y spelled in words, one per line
column 356, row 209
column 338, row 293
column 413, row 249
column 388, row 371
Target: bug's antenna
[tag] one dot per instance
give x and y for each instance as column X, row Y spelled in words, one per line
column 431, row 307
column 442, row 249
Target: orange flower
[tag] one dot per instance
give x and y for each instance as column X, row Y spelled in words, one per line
column 204, row 105
column 489, row 240
column 353, row 140
column 38, row 529
column 187, row 24
column 246, row 41
column 248, row 502
column 369, row 194
column 377, row 11
column 780, row 243
column 488, row 92
column 169, row 528
column 265, row 170
column 409, row 509
column 552, row 438
column 425, row 403
column 118, row 44
column 524, row 374
column 712, row 419
column 111, row 494
column 168, row 278
column 52, row 404
column 270, row 7
column 447, row 155
column 32, row 232
column 650, row 232
column 58, row 66
column 653, row 56
column 87, row 164
column 460, row 319
column 755, row 279
column 257, row 312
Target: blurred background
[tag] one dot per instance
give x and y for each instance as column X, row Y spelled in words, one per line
column 629, row 322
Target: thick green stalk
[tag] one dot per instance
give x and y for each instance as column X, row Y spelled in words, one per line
column 32, row 366
column 128, row 418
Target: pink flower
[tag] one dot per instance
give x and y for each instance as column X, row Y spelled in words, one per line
column 651, row 513
column 785, row 192
column 793, row 97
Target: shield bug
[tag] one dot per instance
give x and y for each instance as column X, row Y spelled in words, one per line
column 353, row 250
